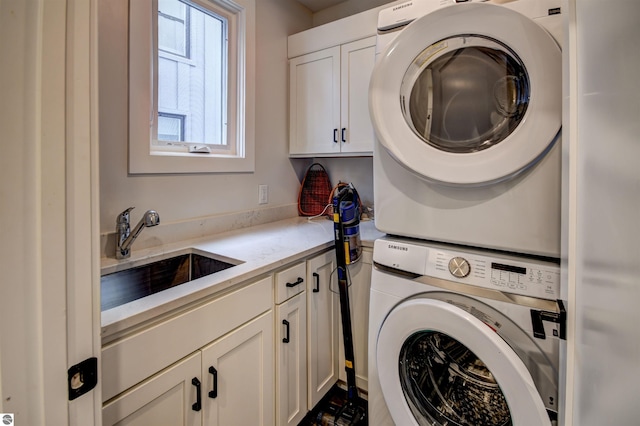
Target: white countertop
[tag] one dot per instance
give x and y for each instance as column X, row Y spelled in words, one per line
column 261, row 248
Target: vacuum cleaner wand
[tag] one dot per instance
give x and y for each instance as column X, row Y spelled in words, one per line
column 346, row 215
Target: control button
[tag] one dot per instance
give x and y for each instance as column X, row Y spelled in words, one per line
column 459, row 267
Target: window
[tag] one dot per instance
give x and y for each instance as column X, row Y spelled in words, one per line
column 191, row 85
column 170, row 127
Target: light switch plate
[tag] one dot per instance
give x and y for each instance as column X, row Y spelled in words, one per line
column 263, row 194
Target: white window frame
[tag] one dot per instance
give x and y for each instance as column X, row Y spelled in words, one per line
column 143, row 159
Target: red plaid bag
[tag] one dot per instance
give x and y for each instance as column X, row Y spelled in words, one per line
column 314, row 191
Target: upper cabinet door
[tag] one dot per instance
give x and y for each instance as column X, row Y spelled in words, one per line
column 329, row 101
column 357, row 61
column 314, row 104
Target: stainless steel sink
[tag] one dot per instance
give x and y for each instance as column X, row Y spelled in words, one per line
column 124, row 286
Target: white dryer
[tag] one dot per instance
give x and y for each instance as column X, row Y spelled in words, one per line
column 462, row 338
column 466, row 102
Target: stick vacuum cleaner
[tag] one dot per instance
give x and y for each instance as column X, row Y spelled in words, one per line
column 346, row 222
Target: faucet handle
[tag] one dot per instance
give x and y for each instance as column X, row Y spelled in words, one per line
column 124, row 216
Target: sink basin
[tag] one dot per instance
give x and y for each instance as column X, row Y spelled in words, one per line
column 124, row 286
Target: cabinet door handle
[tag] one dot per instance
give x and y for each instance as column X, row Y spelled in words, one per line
column 286, row 324
column 316, row 277
column 344, row 130
column 198, row 404
column 213, row 393
column 298, row 282
column 335, row 135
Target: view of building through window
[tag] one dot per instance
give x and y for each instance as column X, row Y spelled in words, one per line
column 191, row 74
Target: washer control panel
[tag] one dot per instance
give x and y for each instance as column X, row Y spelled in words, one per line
column 504, row 272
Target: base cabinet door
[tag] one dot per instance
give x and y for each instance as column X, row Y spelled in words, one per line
column 360, row 274
column 291, row 361
column 237, row 372
column 322, row 326
column 167, row 399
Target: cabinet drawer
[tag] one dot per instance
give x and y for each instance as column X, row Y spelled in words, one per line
column 290, row 282
column 130, row 360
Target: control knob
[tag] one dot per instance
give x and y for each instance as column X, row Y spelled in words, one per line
column 459, row 267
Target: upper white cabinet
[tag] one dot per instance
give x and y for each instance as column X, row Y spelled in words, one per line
column 329, row 113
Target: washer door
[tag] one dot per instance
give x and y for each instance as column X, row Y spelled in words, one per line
column 468, row 95
column 440, row 365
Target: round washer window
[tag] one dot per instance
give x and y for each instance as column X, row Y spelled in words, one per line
column 445, row 383
column 465, row 94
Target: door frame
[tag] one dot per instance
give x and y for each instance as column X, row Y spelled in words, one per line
column 50, row 256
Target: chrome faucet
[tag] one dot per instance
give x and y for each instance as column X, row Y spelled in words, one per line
column 125, row 237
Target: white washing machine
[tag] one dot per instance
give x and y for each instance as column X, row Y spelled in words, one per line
column 466, row 102
column 460, row 336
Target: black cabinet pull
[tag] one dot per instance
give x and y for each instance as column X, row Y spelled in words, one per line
column 335, row 135
column 213, row 393
column 316, row 277
column 286, row 324
column 344, row 129
column 298, row 282
column 198, row 404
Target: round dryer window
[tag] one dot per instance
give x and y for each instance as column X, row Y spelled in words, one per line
column 465, row 94
column 470, row 94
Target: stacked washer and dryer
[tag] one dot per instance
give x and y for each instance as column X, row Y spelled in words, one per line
column 465, row 319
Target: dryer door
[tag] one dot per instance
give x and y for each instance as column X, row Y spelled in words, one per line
column 440, row 365
column 468, row 95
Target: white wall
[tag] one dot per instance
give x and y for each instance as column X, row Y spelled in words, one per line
column 184, row 197
column 342, row 10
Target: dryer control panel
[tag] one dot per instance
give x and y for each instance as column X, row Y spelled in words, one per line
column 497, row 271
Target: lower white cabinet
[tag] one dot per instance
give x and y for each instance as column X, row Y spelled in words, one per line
column 227, row 383
column 164, row 399
column 323, row 315
column 291, row 361
column 360, row 274
column 237, row 375
column 214, row 365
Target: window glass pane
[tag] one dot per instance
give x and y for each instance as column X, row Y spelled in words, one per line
column 170, row 127
column 172, row 26
column 194, row 88
column 465, row 94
